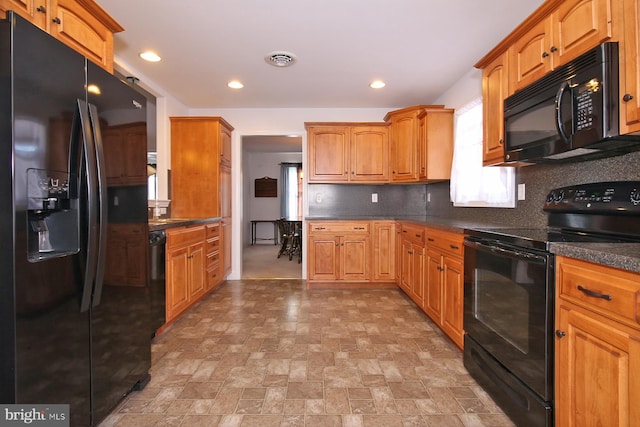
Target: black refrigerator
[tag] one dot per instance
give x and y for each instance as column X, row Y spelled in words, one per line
column 67, row 337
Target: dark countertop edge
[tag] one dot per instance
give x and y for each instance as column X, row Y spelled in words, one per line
column 624, row 256
column 180, row 222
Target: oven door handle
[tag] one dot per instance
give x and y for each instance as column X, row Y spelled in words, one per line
column 530, row 257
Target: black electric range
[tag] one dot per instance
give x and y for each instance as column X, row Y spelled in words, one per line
column 596, row 212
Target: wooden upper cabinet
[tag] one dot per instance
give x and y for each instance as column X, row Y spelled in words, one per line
column 435, row 144
column 328, row 148
column 369, row 153
column 494, row 91
column 125, row 147
column 403, row 125
column 574, row 27
column 225, row 146
column 344, row 152
column 80, row 24
column 530, row 56
column 630, row 68
column 35, row 11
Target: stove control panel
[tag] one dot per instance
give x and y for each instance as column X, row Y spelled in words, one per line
column 612, row 198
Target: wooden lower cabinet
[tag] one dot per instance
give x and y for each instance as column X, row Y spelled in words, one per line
column 351, row 252
column 597, row 345
column 192, row 265
column 432, row 274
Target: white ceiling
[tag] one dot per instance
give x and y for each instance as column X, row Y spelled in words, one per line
column 419, row 48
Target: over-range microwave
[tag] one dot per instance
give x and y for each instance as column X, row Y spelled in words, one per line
column 571, row 113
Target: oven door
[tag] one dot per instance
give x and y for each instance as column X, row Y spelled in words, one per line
column 508, row 309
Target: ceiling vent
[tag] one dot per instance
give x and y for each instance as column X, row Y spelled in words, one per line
column 280, row 59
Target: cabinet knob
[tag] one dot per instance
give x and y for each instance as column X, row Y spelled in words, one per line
column 545, row 54
column 56, row 20
column 560, row 334
column 553, row 49
column 42, row 9
column 501, row 141
column 627, row 97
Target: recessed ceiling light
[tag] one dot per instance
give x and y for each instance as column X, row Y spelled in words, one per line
column 280, row 58
column 150, row 56
column 377, row 84
column 235, row 84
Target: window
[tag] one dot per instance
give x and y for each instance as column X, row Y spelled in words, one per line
column 473, row 185
column 291, row 190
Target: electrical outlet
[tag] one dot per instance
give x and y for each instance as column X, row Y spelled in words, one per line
column 319, row 198
column 116, row 201
column 521, row 194
column 428, row 197
column 374, row 197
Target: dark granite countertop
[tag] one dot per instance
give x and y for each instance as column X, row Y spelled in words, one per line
column 165, row 223
column 625, row 256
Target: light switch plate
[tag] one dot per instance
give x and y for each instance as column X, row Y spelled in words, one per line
column 521, row 192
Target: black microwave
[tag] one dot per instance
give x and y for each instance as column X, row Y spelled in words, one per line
column 571, row 113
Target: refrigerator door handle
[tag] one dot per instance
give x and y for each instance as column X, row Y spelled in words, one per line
column 102, row 203
column 90, row 166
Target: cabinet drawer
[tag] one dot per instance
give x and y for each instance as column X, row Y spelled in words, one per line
column 213, row 230
column 185, row 235
column 414, row 233
column 213, row 276
column 339, row 227
column 608, row 291
column 212, row 245
column 445, row 241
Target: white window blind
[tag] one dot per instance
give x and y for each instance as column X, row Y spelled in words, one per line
column 471, row 183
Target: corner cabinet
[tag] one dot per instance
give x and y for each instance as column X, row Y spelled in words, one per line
column 421, row 141
column 597, row 345
column 348, row 152
column 80, row 24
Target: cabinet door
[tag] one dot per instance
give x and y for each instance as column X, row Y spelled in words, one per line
column 225, row 192
column 197, row 270
column 531, row 56
column 406, row 267
column 435, row 144
column 369, row 154
column 417, row 268
column 452, row 299
column 136, row 260
column 404, row 148
column 177, row 272
column 494, row 91
column 354, row 258
column 115, row 157
column 328, row 153
column 34, row 11
column 225, row 229
column 225, row 146
column 579, row 25
column 630, row 68
column 135, row 152
column 79, row 29
column 323, row 257
column 596, row 364
column 384, row 251
column 433, row 286
column 116, row 261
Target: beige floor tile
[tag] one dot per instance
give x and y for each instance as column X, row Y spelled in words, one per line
column 272, row 353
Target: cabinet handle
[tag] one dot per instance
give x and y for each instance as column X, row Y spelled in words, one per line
column 42, row 9
column 560, row 334
column 454, row 247
column 431, row 239
column 545, row 54
column 56, row 20
column 627, row 97
column 553, row 49
column 418, row 236
column 594, row 294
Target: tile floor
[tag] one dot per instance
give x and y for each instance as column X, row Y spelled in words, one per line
column 272, row 353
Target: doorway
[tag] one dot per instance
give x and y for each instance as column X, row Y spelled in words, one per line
column 262, row 158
